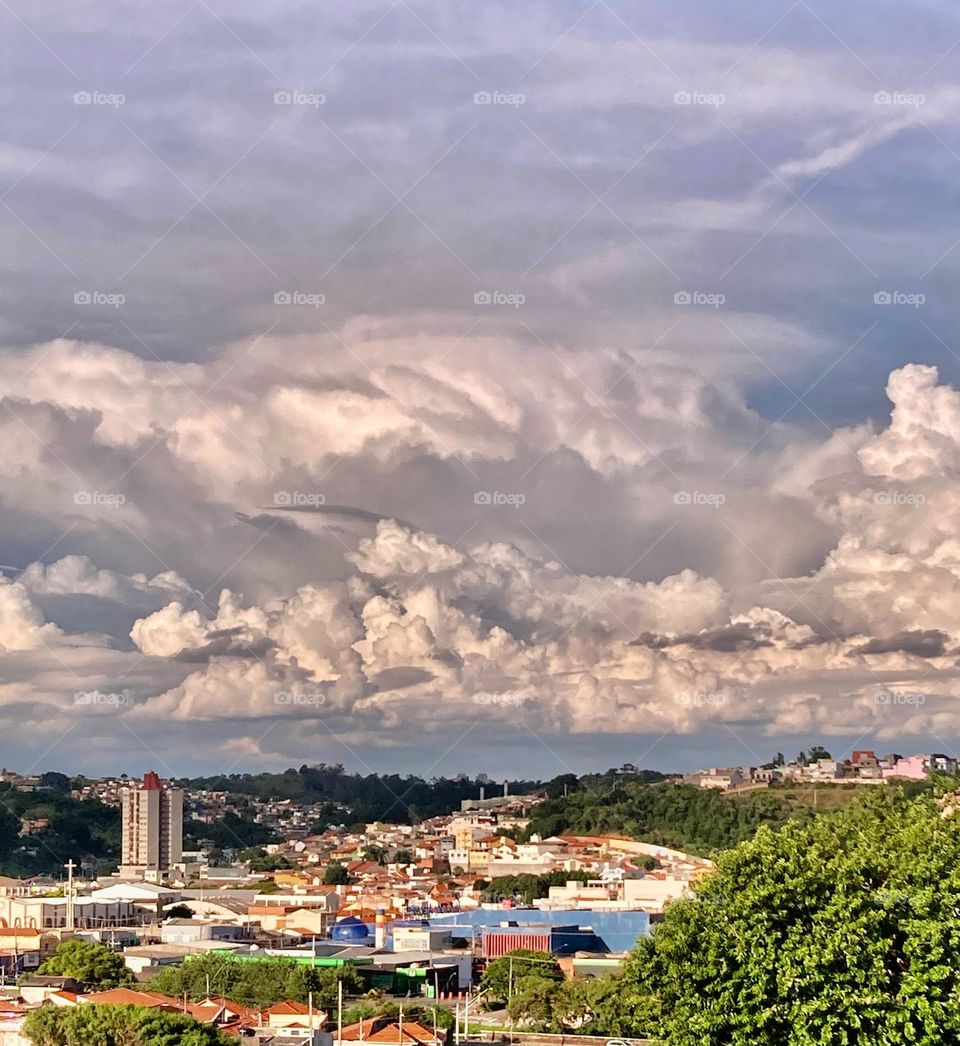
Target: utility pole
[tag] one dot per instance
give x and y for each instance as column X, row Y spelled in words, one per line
column 70, row 913
column 340, row 1011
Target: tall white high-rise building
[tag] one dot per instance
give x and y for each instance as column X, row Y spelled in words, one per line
column 152, row 829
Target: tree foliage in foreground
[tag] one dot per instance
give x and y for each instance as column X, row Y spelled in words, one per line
column 118, row 1026
column 842, row 931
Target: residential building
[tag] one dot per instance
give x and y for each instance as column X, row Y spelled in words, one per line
column 152, row 841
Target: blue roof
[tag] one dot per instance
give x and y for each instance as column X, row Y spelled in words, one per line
column 618, row 930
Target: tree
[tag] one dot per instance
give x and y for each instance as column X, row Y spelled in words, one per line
column 838, row 931
column 818, row 752
column 503, row 974
column 9, row 831
column 609, row 1006
column 336, row 874
column 179, row 911
column 94, row 965
column 534, row 1000
column 260, row 982
column 403, row 857
column 372, row 852
column 55, row 781
column 118, row 1026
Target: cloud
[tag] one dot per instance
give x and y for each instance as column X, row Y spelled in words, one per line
column 432, row 409
column 21, row 624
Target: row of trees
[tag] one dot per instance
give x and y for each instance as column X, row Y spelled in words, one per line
column 357, row 798
column 258, row 983
column 526, row 887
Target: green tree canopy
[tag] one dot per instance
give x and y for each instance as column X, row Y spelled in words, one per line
column 179, row 911
column 258, row 983
column 841, row 931
column 95, row 966
column 118, row 1026
column 336, row 874
column 501, row 976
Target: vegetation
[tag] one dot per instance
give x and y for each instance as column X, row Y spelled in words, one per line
column 428, row 1016
column 86, row 830
column 841, row 930
column 260, row 983
column 698, row 820
column 336, row 874
column 504, row 976
column 179, row 911
column 95, row 966
column 118, row 1026
column 527, row 887
column 356, row 798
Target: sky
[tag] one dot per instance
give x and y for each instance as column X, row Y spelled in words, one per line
column 509, row 388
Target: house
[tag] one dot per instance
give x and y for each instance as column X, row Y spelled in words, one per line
column 389, row 1032
column 289, row 1014
column 188, row 931
column 913, row 768
column 36, row 989
column 721, row 778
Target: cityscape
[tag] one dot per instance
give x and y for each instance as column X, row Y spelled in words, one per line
column 479, row 512
column 401, row 913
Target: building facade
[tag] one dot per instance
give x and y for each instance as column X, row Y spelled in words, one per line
column 152, row 829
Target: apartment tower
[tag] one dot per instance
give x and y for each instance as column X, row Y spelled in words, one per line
column 152, row 829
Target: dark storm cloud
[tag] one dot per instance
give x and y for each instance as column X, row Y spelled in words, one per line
column 930, row 642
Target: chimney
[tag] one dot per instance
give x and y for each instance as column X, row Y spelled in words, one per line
column 380, row 934
column 483, row 793
column 506, row 789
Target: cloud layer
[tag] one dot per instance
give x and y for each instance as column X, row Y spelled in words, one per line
column 553, row 379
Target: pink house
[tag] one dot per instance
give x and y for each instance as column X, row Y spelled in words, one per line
column 914, row 767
